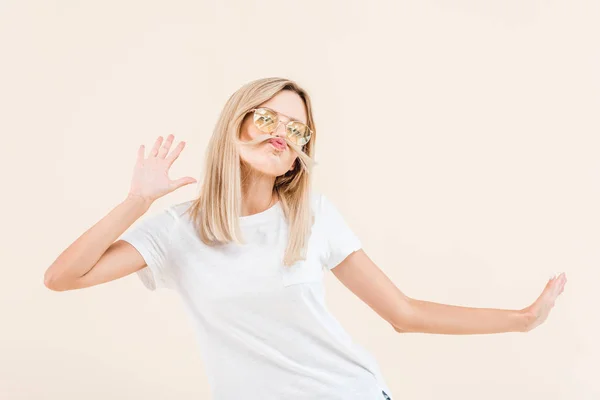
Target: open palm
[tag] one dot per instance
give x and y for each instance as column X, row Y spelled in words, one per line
column 151, row 174
column 541, row 307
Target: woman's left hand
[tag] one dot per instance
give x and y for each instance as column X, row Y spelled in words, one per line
column 539, row 310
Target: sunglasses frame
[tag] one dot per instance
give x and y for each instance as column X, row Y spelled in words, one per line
column 279, row 121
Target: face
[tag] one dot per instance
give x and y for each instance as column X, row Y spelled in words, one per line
column 270, row 158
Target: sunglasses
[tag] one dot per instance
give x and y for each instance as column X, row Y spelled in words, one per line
column 267, row 120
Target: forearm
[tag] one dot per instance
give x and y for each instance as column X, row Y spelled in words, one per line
column 81, row 256
column 430, row 317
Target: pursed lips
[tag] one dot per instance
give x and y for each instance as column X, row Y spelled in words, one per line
column 278, row 143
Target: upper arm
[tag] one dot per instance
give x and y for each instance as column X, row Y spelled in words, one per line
column 144, row 248
column 370, row 284
column 119, row 260
column 351, row 265
column 340, row 239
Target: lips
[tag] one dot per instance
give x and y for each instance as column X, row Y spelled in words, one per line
column 278, row 143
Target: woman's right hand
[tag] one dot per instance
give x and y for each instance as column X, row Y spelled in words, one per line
column 151, row 174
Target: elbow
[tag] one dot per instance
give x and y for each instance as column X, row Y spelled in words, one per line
column 406, row 319
column 52, row 282
column 404, row 327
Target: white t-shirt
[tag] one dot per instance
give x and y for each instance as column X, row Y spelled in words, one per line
column 264, row 329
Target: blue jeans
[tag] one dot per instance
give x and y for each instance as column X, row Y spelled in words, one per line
column 385, row 396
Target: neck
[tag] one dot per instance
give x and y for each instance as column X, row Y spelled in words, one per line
column 257, row 193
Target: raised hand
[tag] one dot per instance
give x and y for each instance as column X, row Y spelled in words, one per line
column 151, row 174
column 539, row 310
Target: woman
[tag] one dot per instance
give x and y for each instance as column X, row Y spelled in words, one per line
column 248, row 257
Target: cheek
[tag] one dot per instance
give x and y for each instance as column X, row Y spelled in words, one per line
column 248, row 131
column 245, row 135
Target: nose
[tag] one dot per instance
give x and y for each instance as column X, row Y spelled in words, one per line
column 279, row 129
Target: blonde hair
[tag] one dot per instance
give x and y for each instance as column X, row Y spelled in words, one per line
column 217, row 209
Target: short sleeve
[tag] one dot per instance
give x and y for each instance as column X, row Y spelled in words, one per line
column 151, row 237
column 341, row 240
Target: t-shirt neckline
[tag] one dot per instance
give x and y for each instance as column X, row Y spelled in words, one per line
column 263, row 216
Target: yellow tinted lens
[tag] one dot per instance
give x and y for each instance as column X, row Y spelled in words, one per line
column 298, row 132
column 265, row 120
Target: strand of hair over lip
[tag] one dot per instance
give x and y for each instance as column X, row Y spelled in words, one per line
column 306, row 161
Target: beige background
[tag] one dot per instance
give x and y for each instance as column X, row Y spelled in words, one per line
column 459, row 139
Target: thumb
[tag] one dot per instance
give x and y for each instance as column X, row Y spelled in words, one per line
column 182, row 182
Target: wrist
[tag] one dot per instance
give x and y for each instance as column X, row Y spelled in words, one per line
column 525, row 320
column 139, row 200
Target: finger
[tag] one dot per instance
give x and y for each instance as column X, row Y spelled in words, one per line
column 164, row 149
column 556, row 277
column 157, row 144
column 182, row 182
column 561, row 280
column 562, row 275
column 562, row 284
column 141, row 153
column 175, row 153
column 558, row 287
column 550, row 292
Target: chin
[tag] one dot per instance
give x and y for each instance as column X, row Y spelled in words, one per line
column 273, row 171
column 272, row 163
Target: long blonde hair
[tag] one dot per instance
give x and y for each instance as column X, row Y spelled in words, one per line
column 217, row 209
